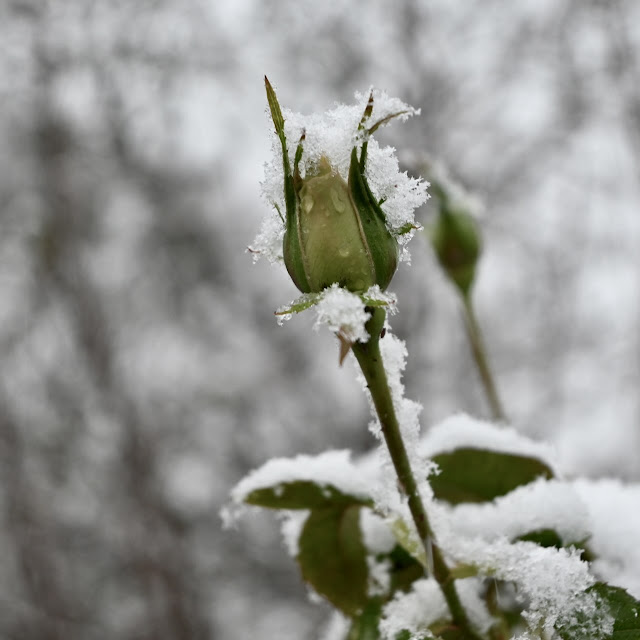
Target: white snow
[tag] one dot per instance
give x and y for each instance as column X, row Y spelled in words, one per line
column 425, row 605
column 337, row 627
column 343, row 311
column 543, row 504
column 375, row 296
column 340, row 310
column 379, row 576
column 551, row 582
column 614, row 513
column 291, row 529
column 376, row 534
column 394, row 355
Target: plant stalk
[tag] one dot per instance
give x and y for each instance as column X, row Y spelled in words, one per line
column 479, row 353
column 370, row 361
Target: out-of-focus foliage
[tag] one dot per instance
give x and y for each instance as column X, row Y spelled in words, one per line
column 142, row 372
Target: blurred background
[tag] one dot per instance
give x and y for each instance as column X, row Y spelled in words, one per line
column 142, row 372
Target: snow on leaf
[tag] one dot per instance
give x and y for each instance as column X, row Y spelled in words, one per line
column 425, row 606
column 614, row 521
column 543, row 504
column 461, row 430
column 551, row 583
column 332, row 470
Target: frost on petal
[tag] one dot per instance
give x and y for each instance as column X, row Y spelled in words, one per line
column 344, row 312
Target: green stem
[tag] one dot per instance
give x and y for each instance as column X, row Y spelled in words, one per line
column 480, row 356
column 370, row 361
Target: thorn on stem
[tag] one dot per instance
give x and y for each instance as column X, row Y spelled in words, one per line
column 345, row 346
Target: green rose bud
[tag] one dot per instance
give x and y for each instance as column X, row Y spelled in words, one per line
column 456, row 240
column 335, row 230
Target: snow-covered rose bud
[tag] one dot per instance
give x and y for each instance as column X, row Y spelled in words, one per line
column 335, row 230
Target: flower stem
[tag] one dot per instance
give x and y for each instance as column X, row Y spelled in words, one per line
column 370, row 361
column 480, row 356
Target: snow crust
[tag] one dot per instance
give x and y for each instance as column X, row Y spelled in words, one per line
column 343, row 311
column 543, row 504
column 425, row 605
column 334, row 134
column 550, row 582
column 376, row 534
column 614, row 522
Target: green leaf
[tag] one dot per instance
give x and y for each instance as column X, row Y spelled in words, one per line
column 274, row 106
column 551, row 538
column 303, row 494
column 478, row 475
column 543, row 537
column 614, row 602
column 366, row 625
column 409, row 541
column 405, row 569
column 624, row 609
column 304, row 302
column 332, row 557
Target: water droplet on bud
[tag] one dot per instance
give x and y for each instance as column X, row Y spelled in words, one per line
column 337, row 201
column 307, row 203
